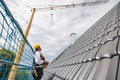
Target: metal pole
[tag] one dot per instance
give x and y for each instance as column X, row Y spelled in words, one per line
column 29, row 24
column 20, row 51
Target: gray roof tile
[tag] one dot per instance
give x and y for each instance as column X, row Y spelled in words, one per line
column 94, row 56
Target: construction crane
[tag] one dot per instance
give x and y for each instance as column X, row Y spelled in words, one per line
column 73, row 5
column 55, row 7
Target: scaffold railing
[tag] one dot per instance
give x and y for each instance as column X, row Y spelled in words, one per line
column 11, row 38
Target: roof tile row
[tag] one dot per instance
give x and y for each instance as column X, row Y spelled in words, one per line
column 94, row 56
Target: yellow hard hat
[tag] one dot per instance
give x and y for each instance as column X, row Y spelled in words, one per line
column 36, row 46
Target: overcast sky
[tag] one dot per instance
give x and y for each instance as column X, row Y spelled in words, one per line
column 53, row 32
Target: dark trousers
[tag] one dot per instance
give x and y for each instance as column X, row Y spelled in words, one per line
column 39, row 73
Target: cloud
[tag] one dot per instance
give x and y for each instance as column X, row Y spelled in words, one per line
column 55, row 38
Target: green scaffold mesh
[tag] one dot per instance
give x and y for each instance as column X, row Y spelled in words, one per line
column 11, row 36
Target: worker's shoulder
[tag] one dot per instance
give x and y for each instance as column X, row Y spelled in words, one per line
column 37, row 52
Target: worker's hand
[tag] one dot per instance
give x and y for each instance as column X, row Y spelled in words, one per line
column 45, row 64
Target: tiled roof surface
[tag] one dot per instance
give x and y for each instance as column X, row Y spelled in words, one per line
column 94, row 56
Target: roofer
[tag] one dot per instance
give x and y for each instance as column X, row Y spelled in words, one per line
column 39, row 62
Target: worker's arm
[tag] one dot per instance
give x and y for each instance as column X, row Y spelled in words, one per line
column 42, row 57
column 38, row 59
